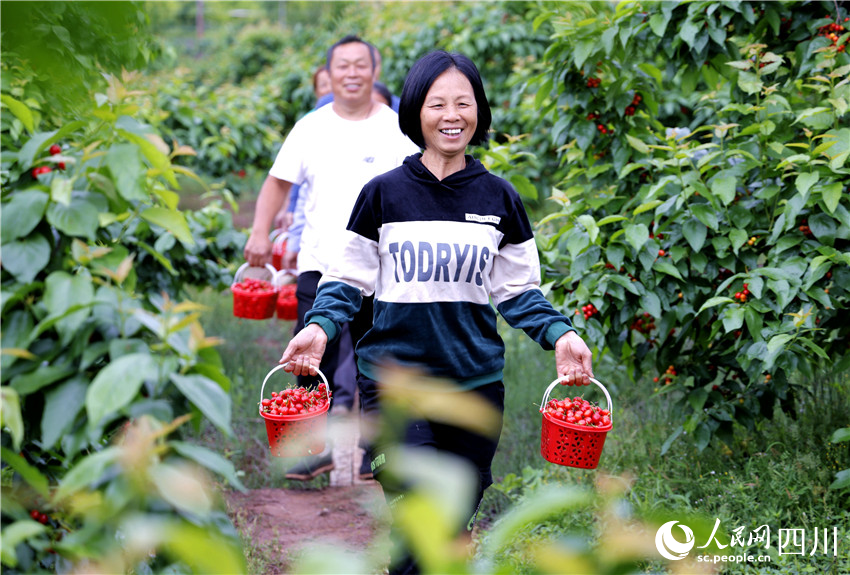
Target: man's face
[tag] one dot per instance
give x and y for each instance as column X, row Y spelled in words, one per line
column 352, row 73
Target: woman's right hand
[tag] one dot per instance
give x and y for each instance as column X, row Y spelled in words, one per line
column 304, row 352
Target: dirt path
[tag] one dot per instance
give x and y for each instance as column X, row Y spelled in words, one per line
column 282, row 522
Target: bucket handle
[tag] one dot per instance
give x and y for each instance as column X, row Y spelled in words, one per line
column 276, row 275
column 279, row 367
column 564, row 378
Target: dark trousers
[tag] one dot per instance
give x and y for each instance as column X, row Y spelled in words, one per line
column 305, row 293
column 477, row 449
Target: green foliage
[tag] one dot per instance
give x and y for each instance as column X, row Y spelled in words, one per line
column 101, row 360
column 714, row 243
column 69, row 44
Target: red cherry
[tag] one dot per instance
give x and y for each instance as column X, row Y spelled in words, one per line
column 55, row 149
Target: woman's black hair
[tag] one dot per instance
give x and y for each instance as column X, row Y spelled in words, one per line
column 420, row 79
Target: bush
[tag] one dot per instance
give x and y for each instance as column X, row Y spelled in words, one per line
column 712, row 250
column 103, row 358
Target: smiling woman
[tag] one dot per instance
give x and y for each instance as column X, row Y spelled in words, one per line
column 436, row 241
column 444, row 109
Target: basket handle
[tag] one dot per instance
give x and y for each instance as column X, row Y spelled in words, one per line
column 279, row 367
column 564, row 378
column 276, row 276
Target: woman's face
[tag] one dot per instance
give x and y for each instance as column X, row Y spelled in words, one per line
column 449, row 115
column 323, row 83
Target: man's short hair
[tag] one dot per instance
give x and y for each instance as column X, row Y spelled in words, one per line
column 420, row 79
column 351, row 38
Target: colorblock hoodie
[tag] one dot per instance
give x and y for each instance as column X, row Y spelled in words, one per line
column 438, row 256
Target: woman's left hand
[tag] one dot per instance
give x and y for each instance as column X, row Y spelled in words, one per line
column 573, row 359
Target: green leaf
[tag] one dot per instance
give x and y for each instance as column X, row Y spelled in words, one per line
column 777, row 342
column 25, row 258
column 724, row 188
column 714, row 301
column 28, row 472
column 60, row 189
column 524, row 186
column 842, row 480
column 749, row 82
column 696, row 399
column 116, row 385
column 27, row 383
column 610, row 220
column 590, row 226
column 741, row 64
column 211, row 460
column 85, row 472
column 647, row 206
column 61, row 406
column 738, row 238
column 819, row 117
column 754, row 322
column 702, row 436
column 637, row 144
column 695, row 232
column 658, row 24
column 668, row 268
column 805, row 181
column 665, row 447
column 62, row 291
column 651, row 303
column 706, row 214
column 10, row 415
column 625, row 282
column 208, row 397
column 22, row 214
column 582, row 51
column 608, row 37
column 20, row 110
column 637, row 235
column 172, row 220
column 831, row 195
column 841, row 435
column 651, row 70
column 125, row 163
column 733, row 318
column 688, row 32
column 15, row 534
column 551, row 500
column 78, row 219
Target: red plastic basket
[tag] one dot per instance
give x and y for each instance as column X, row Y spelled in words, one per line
column 296, row 435
column 254, row 305
column 287, row 303
column 278, row 249
column 572, row 445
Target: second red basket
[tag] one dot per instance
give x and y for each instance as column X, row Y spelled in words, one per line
column 287, row 303
column 568, row 444
column 254, row 303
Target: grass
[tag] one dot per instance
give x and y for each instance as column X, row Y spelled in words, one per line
column 777, row 474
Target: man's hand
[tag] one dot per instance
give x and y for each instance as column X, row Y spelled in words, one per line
column 573, row 359
column 258, row 250
column 305, row 350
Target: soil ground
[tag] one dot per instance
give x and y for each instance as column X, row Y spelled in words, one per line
column 282, row 522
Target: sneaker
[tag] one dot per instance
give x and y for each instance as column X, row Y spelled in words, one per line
column 366, row 467
column 311, row 467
